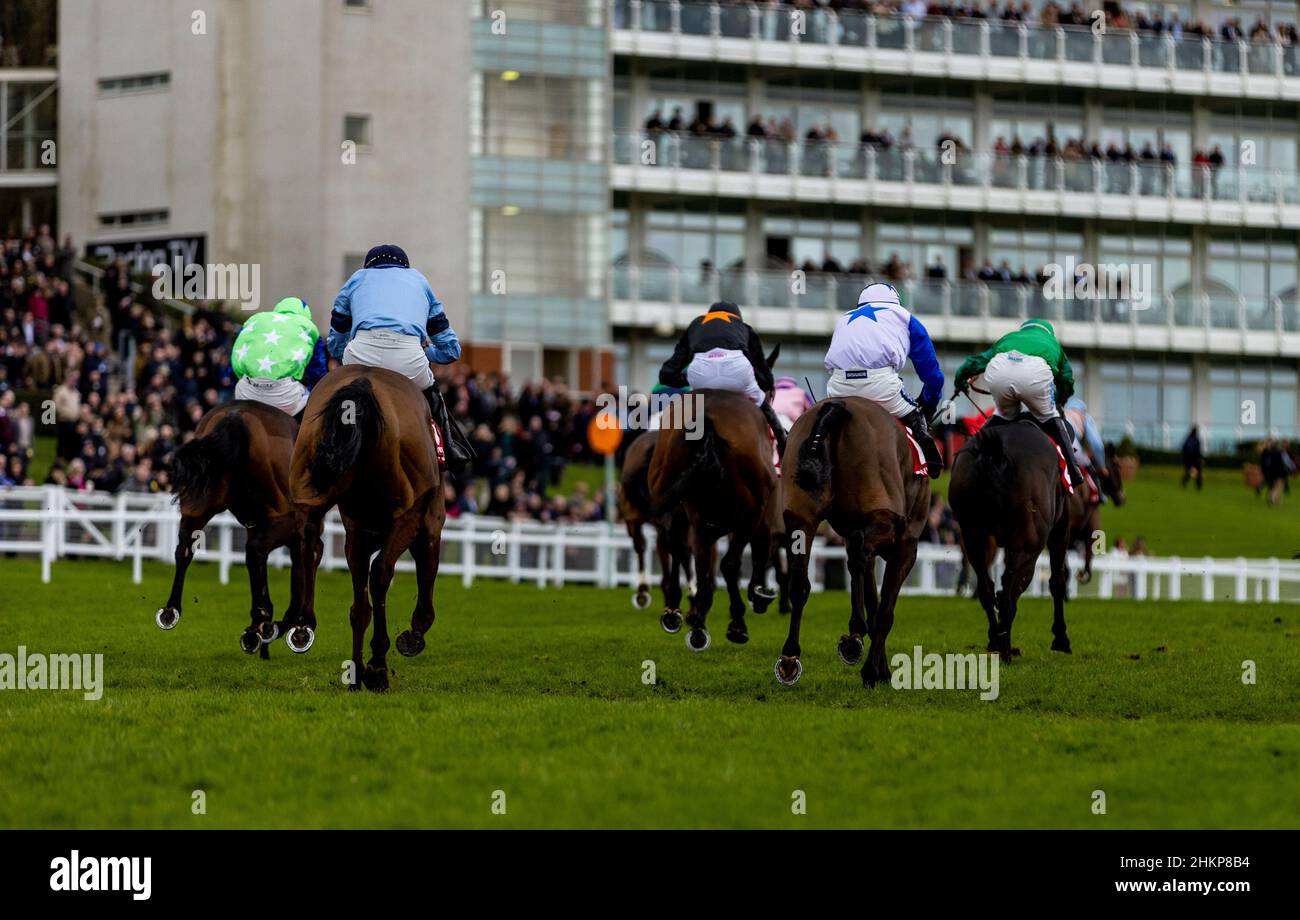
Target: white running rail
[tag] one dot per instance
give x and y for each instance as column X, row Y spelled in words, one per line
column 55, row 524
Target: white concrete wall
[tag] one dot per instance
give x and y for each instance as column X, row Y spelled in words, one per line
column 244, row 147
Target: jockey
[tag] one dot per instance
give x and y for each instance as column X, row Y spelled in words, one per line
column 1089, row 449
column 279, row 356
column 720, row 351
column 870, row 345
column 790, row 401
column 1027, row 368
column 386, row 315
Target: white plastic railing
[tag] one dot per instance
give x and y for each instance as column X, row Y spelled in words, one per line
column 985, row 39
column 985, row 170
column 798, row 290
column 55, row 524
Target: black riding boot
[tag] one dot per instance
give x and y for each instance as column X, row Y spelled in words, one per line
column 455, row 445
column 778, row 431
column 920, row 429
column 1059, row 430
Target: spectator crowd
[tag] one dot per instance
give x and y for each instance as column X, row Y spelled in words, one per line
column 123, row 388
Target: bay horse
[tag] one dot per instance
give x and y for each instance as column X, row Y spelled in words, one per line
column 724, row 482
column 1085, row 511
column 850, row 463
column 366, row 446
column 1006, row 491
column 636, row 509
column 239, row 461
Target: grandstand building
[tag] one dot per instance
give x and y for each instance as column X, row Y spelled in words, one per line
column 28, row 81
column 579, row 178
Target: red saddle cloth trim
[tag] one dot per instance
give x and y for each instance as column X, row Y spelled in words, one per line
column 919, row 467
column 1065, row 470
column 437, row 443
column 1094, row 493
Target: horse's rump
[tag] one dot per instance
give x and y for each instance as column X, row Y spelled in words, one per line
column 370, row 423
column 241, row 441
column 634, row 479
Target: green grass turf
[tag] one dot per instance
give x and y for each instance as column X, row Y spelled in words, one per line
column 539, row 693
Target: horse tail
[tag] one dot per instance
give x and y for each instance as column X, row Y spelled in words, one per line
column 991, row 459
column 813, row 470
column 705, row 464
column 199, row 463
column 353, row 420
column 636, row 486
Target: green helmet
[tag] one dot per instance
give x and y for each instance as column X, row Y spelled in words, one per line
column 295, row 306
column 1039, row 322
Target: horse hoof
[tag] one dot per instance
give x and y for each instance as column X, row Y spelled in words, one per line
column 871, row 678
column 167, row 617
column 788, row 671
column 1062, row 645
column 375, row 679
column 737, row 635
column 641, row 600
column 760, row 599
column 410, row 644
column 300, row 639
column 250, row 642
column 851, row 649
column 275, row 633
column 698, row 639
column 671, row 621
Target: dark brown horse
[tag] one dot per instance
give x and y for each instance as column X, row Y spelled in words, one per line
column 636, row 508
column 724, row 481
column 849, row 463
column 367, row 447
column 239, row 461
column 1085, row 511
column 1006, row 491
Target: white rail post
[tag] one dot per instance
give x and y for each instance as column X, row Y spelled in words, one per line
column 467, row 553
column 49, row 544
column 224, row 551
column 1239, row 585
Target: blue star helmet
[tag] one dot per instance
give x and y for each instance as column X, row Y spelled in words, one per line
column 879, row 292
column 386, row 255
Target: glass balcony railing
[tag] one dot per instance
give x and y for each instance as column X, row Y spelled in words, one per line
column 968, row 37
column 960, row 167
column 1011, row 301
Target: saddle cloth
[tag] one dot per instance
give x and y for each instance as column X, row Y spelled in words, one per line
column 1061, row 467
column 919, row 467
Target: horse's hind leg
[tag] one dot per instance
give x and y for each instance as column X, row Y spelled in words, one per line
column 760, row 555
column 980, row 552
column 259, row 629
column 426, row 550
column 781, row 568
column 300, row 624
column 641, row 597
column 1057, row 545
column 737, row 632
column 851, row 646
column 381, row 577
column 697, row 640
column 898, row 565
column 191, row 528
column 358, row 548
column 1018, row 572
column 670, row 555
column 801, row 533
